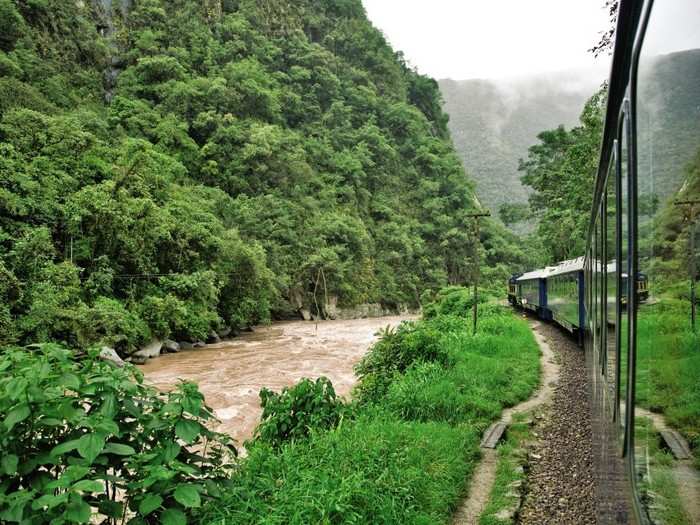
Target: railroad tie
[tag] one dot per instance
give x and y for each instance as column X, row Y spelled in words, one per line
column 493, row 435
column 674, row 441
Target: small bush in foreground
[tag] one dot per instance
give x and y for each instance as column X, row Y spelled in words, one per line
column 295, row 411
column 83, row 435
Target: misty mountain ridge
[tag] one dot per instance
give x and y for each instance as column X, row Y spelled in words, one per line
column 494, row 122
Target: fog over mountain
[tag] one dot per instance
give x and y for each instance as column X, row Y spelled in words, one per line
column 494, row 122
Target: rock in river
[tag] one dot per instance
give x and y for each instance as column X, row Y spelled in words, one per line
column 213, row 337
column 110, row 355
column 150, row 350
column 170, row 347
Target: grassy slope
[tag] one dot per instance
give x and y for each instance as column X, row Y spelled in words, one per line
column 669, row 367
column 406, row 455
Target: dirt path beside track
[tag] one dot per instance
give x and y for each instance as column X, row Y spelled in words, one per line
column 485, row 474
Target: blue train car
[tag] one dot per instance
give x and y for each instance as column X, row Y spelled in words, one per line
column 565, row 294
column 532, row 292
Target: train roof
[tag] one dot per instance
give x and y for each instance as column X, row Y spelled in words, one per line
column 535, row 274
column 572, row 265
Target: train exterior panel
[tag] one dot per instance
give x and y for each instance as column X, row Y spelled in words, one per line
column 564, row 297
column 532, row 292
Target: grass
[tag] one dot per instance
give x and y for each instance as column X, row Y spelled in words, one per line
column 405, row 456
column 658, row 487
column 668, row 368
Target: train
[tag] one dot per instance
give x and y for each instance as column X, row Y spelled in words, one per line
column 641, row 342
column 557, row 293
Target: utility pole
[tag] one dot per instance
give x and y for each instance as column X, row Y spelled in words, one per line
column 477, row 240
column 691, row 203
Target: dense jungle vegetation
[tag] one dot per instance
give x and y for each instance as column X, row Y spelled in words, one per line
column 117, row 449
column 172, row 167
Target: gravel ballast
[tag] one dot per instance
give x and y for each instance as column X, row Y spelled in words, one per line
column 560, row 481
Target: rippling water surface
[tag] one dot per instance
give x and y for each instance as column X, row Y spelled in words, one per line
column 231, row 373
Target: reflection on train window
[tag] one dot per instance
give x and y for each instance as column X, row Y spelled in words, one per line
column 611, row 291
column 668, row 352
column 623, row 268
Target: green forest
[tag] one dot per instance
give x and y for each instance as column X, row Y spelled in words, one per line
column 180, row 171
column 172, row 168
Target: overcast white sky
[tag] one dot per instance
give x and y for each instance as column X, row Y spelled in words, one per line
column 462, row 39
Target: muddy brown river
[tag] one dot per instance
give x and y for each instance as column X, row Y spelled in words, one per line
column 231, row 373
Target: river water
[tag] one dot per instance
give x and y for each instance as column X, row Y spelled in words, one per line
column 231, row 373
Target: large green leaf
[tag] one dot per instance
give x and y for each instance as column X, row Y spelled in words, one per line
column 17, row 414
column 90, row 446
column 70, row 380
column 187, row 430
column 88, row 485
column 187, row 496
column 61, row 449
column 50, row 500
column 173, row 517
column 150, row 503
column 9, row 464
column 77, row 511
column 119, row 449
column 170, row 451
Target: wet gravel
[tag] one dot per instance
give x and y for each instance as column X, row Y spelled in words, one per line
column 560, row 481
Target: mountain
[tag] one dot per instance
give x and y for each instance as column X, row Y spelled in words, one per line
column 494, row 122
column 169, row 168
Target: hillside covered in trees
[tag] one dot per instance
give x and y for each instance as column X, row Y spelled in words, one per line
column 172, row 167
column 560, row 168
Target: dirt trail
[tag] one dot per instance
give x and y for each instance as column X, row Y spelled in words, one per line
column 485, row 474
column 231, row 373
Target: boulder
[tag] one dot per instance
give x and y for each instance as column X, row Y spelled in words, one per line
column 110, row 355
column 137, row 359
column 170, row 347
column 305, row 314
column 213, row 338
column 152, row 349
column 199, row 344
column 186, row 345
column 225, row 332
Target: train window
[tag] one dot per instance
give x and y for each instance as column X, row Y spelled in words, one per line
column 668, row 208
column 622, row 269
column 594, row 301
column 611, row 289
column 599, row 290
column 603, row 288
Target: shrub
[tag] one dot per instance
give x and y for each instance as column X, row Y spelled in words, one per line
column 453, row 300
column 396, row 351
column 109, row 322
column 77, row 436
column 294, row 412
